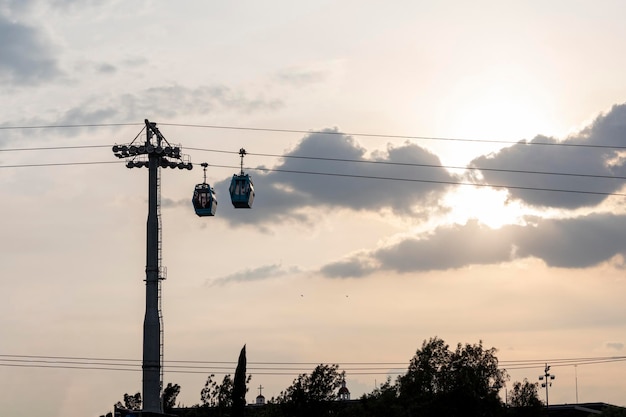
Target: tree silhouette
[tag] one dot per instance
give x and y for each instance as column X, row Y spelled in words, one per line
column 217, row 395
column 524, row 394
column 464, row 382
column 132, row 402
column 239, row 386
column 310, row 394
column 169, row 396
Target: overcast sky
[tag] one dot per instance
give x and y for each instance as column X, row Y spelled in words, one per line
column 421, row 169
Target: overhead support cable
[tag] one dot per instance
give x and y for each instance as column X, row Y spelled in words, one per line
column 320, row 132
column 412, row 164
column 375, row 135
column 331, row 174
column 68, row 126
column 316, row 158
column 427, row 181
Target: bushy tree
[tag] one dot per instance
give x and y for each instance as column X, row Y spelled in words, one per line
column 320, row 385
column 383, row 401
column 217, row 395
column 463, row 382
column 132, row 402
column 308, row 394
column 426, row 375
column 525, row 394
column 169, row 396
column 476, row 378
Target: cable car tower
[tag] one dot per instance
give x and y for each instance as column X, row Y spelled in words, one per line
column 154, row 154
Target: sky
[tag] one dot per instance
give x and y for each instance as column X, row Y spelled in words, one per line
column 427, row 205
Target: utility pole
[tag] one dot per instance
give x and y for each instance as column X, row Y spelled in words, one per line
column 547, row 383
column 154, row 154
column 576, row 373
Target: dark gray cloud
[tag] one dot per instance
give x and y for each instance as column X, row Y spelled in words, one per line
column 573, row 243
column 26, row 56
column 356, row 181
column 256, row 274
column 567, row 243
column 606, row 131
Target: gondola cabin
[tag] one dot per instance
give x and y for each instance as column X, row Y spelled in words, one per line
column 204, row 201
column 241, row 191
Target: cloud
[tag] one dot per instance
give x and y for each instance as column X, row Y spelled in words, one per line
column 580, row 242
column 355, row 266
column 330, row 170
column 607, row 130
column 26, row 56
column 165, row 101
column 615, row 346
column 301, row 77
column 201, row 100
column 169, row 203
column 65, row 5
column 105, row 68
column 255, row 274
column 574, row 243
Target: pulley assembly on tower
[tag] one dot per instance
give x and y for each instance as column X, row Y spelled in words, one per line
column 137, row 155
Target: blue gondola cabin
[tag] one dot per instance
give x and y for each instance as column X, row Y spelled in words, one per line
column 204, row 201
column 241, row 191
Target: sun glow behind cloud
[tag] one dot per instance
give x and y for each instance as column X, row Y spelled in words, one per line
column 496, row 106
column 489, row 206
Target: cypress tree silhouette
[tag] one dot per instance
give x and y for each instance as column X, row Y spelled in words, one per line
column 239, row 386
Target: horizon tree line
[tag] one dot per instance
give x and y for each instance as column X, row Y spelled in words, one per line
column 461, row 382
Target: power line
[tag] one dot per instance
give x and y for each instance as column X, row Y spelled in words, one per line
column 53, row 148
column 410, row 164
column 540, row 363
column 561, row 360
column 57, row 164
column 321, row 132
column 331, row 174
column 429, row 181
column 502, row 362
column 316, row 158
column 434, row 138
column 275, row 365
column 68, row 126
column 90, row 368
column 67, row 358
